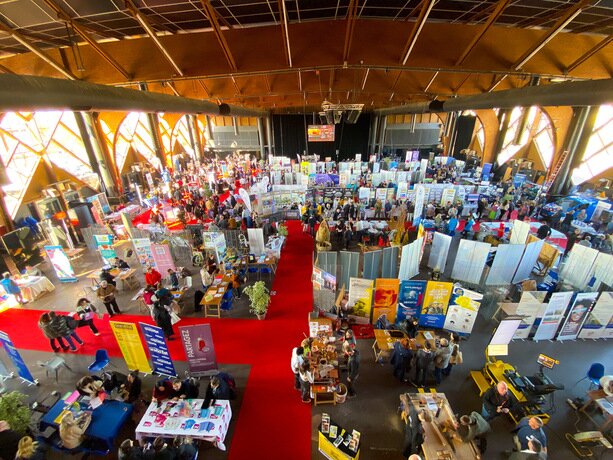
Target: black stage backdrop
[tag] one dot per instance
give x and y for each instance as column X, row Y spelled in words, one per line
column 290, row 133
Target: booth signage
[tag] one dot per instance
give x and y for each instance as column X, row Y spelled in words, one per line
column 463, row 309
column 386, row 299
column 436, row 301
column 199, row 349
column 18, row 362
column 410, row 299
column 158, row 350
column 61, row 263
column 577, row 315
column 131, row 347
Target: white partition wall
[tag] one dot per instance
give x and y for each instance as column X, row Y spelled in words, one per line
column 505, row 264
column 409, row 260
column 595, row 326
column 439, row 251
column 578, row 267
column 470, row 260
column 528, row 261
column 519, row 233
column 602, row 270
column 256, row 240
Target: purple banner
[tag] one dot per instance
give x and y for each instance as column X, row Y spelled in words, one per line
column 199, row 349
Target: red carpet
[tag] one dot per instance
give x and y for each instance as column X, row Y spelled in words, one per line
column 272, row 421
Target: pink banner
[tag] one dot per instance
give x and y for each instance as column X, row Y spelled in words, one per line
column 163, row 258
column 199, row 349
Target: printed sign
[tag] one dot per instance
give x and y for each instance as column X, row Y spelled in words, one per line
column 142, row 247
column 599, row 318
column 410, row 299
column 163, row 258
column 386, row 299
column 528, row 308
column 18, row 362
column 158, row 350
column 61, row 263
column 131, row 347
column 436, row 301
column 577, row 315
column 360, row 296
column 558, row 303
column 199, row 349
column 463, row 309
column 104, row 244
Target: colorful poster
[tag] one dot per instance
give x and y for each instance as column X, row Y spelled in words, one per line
column 552, row 317
column 436, row 301
column 61, row 263
column 485, row 172
column 104, row 244
column 463, row 309
column 199, row 349
column 131, row 347
column 447, row 196
column 96, row 209
column 142, row 247
column 403, row 189
column 317, row 278
column 360, row 297
column 577, row 315
column 420, row 197
column 529, row 306
column 18, row 362
column 386, row 299
column 217, row 242
column 163, row 258
column 410, row 299
column 158, row 350
column 599, row 318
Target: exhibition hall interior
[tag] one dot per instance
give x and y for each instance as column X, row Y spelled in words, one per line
column 300, row 229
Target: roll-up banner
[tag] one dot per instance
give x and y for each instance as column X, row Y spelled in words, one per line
column 577, row 315
column 158, row 350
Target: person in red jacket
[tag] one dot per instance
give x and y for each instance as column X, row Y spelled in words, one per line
column 152, row 277
column 163, row 390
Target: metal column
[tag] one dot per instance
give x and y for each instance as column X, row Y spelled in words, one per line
column 193, row 123
column 262, row 137
column 269, row 136
column 154, row 123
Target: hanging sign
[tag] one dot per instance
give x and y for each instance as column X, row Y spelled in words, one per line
column 131, row 347
column 577, row 315
column 463, row 309
column 410, row 299
column 386, row 299
column 436, row 301
column 600, row 317
column 199, row 349
column 158, row 350
column 18, row 362
column 61, row 263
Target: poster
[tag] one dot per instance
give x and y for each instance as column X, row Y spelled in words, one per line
column 18, row 362
column 386, row 299
column 158, row 350
column 463, row 309
column 61, row 263
column 104, row 244
column 420, row 197
column 360, row 297
column 402, row 192
column 217, row 242
column 599, row 318
column 381, row 194
column 96, row 208
column 199, row 349
column 436, row 301
column 142, row 247
column 577, row 315
column 485, row 172
column 410, row 299
column 163, row 258
column 131, row 347
column 447, row 196
column 552, row 317
column 528, row 308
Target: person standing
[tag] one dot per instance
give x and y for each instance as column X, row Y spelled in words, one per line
column 353, row 368
column 296, row 364
column 162, row 318
column 11, row 288
column 9, row 441
column 533, row 452
column 86, row 313
column 423, row 359
column 497, row 400
column 49, row 323
column 72, row 430
column 529, row 428
column 413, row 432
column 401, row 359
column 106, row 293
column 471, row 428
column 347, row 235
column 441, row 360
column 456, row 356
column 306, row 380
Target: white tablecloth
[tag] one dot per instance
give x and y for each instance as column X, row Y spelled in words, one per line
column 210, row 425
column 33, row 287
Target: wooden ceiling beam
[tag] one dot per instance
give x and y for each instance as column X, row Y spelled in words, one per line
column 212, row 15
column 493, row 17
column 580, row 60
column 143, row 21
column 202, row 84
column 426, row 8
column 352, row 10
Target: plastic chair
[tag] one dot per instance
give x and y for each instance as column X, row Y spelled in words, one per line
column 227, row 295
column 226, row 304
column 594, row 374
column 101, row 362
column 266, row 271
column 252, row 270
column 54, row 365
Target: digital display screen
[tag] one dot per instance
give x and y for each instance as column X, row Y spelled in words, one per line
column 321, row 133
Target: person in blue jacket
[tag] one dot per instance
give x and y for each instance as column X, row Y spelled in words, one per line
column 11, row 287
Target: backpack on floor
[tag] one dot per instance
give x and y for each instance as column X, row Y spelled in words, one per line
column 198, row 295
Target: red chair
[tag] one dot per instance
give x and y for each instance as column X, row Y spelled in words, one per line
column 461, row 226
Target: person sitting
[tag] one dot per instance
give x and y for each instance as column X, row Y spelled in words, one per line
column 529, row 428
column 163, row 390
column 90, row 385
column 152, row 277
column 217, row 389
column 28, row 449
column 164, row 296
column 121, row 264
column 174, row 279
column 105, row 275
column 32, row 271
column 497, row 400
column 131, row 390
column 72, row 430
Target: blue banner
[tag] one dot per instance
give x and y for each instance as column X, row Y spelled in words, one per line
column 485, row 172
column 410, row 299
column 18, row 362
column 158, row 350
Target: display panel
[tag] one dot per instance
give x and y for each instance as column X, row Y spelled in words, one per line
column 321, row 133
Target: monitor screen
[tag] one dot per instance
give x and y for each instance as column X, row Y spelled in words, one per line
column 321, row 133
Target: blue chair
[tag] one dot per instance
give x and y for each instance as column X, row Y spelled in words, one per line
column 226, row 304
column 101, row 362
column 266, row 270
column 594, row 374
column 253, row 269
column 228, row 295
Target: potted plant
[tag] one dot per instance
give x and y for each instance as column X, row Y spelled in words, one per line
column 15, row 411
column 282, row 230
column 260, row 297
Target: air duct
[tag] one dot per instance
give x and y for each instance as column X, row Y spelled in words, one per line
column 21, row 93
column 575, row 93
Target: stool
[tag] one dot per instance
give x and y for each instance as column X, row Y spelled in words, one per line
column 54, row 364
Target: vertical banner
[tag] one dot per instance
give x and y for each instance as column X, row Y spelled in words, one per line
column 420, row 196
column 158, row 350
column 558, row 303
column 199, row 349
column 410, row 299
column 360, row 297
column 577, row 315
column 436, row 301
column 127, row 224
column 217, row 242
column 599, row 318
column 18, row 362
column 130, row 345
column 463, row 309
column 104, row 244
column 402, row 192
column 447, row 196
column 386, row 299
column 61, row 263
column 485, row 172
column 96, row 209
column 163, row 258
column 142, row 247
column 528, row 308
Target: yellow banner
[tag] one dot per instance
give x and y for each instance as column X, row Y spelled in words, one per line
column 386, row 299
column 131, row 347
